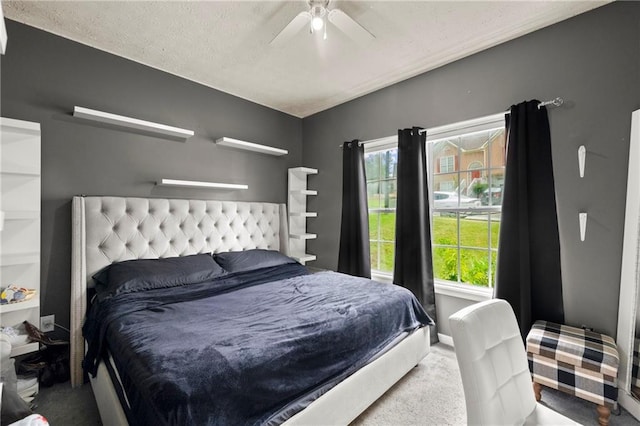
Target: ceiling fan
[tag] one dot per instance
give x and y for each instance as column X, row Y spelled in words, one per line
column 317, row 18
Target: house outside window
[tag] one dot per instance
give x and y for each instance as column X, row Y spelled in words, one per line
column 447, row 163
column 466, row 164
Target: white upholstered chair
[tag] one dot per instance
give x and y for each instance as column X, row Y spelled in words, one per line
column 494, row 368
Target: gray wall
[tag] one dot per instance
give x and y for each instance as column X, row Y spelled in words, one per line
column 44, row 76
column 593, row 62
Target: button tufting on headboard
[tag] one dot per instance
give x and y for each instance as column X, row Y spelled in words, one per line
column 120, row 229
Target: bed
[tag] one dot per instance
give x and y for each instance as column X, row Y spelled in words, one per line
column 114, row 230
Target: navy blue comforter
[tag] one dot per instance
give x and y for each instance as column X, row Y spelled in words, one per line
column 244, row 348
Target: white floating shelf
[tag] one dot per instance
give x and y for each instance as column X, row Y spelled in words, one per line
column 304, row 257
column 18, row 306
column 250, row 146
column 21, row 126
column 10, row 259
column 21, row 214
column 305, row 192
column 12, row 169
column 132, row 123
column 25, row 349
column 198, row 184
column 303, row 236
column 304, row 170
column 304, row 214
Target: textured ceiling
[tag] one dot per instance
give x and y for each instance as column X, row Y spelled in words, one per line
column 225, row 45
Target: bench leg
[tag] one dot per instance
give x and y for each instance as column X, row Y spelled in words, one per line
column 603, row 415
column 537, row 390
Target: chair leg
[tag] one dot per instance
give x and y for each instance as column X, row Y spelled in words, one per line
column 603, row 415
column 537, row 390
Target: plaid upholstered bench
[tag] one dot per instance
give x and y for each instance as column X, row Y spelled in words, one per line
column 575, row 361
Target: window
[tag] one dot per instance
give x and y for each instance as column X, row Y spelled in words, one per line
column 381, row 167
column 465, row 203
column 447, row 164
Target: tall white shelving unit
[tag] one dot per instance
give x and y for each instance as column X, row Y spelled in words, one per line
column 298, row 214
column 20, row 235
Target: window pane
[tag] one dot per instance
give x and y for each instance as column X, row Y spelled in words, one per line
column 372, row 166
column 373, row 226
column 445, row 229
column 388, row 226
column 474, row 231
column 374, row 248
column 388, row 194
column 497, row 150
column 494, row 256
column 389, row 163
column 445, row 263
column 495, row 229
column 492, row 195
column 381, row 170
column 373, row 192
column 474, row 267
column 386, row 257
column 445, row 190
column 445, row 156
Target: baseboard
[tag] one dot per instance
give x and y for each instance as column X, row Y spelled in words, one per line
column 445, row 340
column 629, row 403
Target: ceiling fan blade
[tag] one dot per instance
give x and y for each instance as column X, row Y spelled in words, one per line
column 351, row 28
column 292, row 28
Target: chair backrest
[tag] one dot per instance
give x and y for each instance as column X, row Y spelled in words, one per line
column 493, row 364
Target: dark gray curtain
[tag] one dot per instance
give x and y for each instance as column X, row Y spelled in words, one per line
column 413, row 267
column 354, row 256
column 528, row 270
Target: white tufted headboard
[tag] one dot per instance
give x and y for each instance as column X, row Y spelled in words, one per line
column 112, row 229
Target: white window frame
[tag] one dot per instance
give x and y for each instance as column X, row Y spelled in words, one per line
column 482, row 124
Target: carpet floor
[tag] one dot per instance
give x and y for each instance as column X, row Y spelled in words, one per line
column 430, row 394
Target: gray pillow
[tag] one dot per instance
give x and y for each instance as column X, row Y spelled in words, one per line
column 148, row 274
column 247, row 260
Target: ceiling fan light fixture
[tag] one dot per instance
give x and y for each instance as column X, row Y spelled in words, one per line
column 317, row 18
column 317, row 23
column 318, row 13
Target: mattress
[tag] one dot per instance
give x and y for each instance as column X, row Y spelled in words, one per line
column 252, row 351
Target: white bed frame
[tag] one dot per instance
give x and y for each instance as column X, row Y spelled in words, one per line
column 113, row 229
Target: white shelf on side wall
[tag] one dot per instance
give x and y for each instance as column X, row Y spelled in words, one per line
column 304, row 236
column 304, row 214
column 305, row 258
column 20, row 202
column 298, row 213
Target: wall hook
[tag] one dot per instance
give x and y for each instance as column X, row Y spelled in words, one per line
column 583, row 225
column 582, row 153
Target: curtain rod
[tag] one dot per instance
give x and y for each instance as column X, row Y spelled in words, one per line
column 555, row 102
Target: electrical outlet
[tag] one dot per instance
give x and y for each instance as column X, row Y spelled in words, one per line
column 47, row 323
